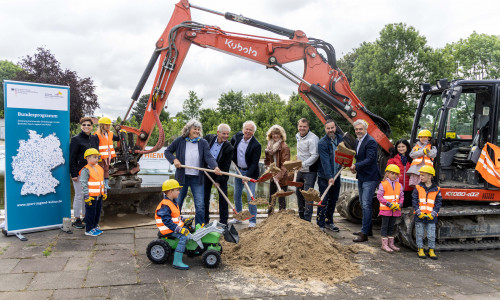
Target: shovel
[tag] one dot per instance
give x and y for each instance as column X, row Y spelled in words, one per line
column 293, row 165
column 237, row 216
column 280, row 192
column 223, row 173
column 320, row 203
column 246, row 184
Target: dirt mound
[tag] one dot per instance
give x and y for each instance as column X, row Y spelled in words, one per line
column 289, row 248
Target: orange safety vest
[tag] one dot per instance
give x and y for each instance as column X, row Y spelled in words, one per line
column 489, row 168
column 425, row 158
column 105, row 144
column 426, row 200
column 390, row 194
column 96, row 180
column 176, row 216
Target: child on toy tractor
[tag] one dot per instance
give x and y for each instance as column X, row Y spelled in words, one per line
column 170, row 222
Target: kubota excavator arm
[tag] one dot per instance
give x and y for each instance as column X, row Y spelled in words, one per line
column 321, row 82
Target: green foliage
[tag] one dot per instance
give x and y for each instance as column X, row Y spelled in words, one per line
column 387, row 72
column 140, row 108
column 43, row 67
column 8, row 70
column 191, row 106
column 476, row 58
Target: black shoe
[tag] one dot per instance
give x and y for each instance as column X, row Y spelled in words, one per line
column 332, row 227
column 361, row 238
column 359, row 232
column 78, row 224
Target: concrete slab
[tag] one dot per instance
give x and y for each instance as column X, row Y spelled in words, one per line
column 186, row 289
column 139, row 291
column 83, row 293
column 7, row 265
column 74, row 245
column 111, row 273
column 24, row 251
column 27, row 295
column 113, row 255
column 77, row 263
column 58, row 280
column 42, row 264
column 15, row 282
column 110, row 239
column 146, row 232
column 120, row 231
column 107, row 247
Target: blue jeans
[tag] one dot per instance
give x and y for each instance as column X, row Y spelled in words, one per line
column 93, row 213
column 181, row 246
column 309, row 179
column 366, row 192
column 421, row 228
column 325, row 213
column 197, row 191
column 238, row 192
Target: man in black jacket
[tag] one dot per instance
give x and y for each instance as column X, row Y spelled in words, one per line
column 77, row 147
column 222, row 151
column 246, row 155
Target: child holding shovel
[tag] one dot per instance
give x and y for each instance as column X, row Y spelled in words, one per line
column 391, row 197
column 170, row 222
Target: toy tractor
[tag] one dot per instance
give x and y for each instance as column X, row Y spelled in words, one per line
column 202, row 241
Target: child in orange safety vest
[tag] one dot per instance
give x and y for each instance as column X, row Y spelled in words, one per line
column 390, row 195
column 426, row 202
column 106, row 148
column 422, row 154
column 94, row 191
column 170, row 222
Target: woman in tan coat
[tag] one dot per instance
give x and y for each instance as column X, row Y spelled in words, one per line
column 277, row 151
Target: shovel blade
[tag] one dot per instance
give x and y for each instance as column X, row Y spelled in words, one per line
column 265, row 177
column 295, row 184
column 231, row 235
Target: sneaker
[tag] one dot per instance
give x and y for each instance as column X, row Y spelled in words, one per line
column 91, row 233
column 234, row 221
column 98, row 231
column 78, row 224
column 322, row 229
column 252, row 225
column 332, row 227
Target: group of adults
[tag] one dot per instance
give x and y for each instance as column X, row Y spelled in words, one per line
column 216, row 152
column 192, row 151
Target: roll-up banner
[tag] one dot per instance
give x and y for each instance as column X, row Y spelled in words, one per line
column 37, row 133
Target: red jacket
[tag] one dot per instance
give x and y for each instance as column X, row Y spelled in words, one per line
column 404, row 178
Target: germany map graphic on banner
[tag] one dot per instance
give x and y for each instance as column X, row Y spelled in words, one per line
column 35, row 159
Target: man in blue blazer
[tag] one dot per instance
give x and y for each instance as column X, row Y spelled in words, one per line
column 368, row 174
column 246, row 155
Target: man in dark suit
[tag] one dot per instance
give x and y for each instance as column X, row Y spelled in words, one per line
column 222, row 151
column 246, row 155
column 367, row 172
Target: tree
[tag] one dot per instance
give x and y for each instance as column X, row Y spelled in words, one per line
column 231, row 102
column 387, row 72
column 191, row 106
column 140, row 108
column 477, row 57
column 8, row 70
column 43, row 67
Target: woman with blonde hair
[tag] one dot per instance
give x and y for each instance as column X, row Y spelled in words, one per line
column 277, row 151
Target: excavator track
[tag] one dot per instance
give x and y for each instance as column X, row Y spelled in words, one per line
column 459, row 228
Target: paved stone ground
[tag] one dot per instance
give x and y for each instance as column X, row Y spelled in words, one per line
column 115, row 266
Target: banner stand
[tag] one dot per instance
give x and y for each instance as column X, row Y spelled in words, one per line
column 37, row 185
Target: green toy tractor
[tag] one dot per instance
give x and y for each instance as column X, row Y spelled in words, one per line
column 202, row 241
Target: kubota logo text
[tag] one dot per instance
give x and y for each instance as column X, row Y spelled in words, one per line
column 239, row 47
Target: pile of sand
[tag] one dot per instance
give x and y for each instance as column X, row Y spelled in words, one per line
column 289, row 248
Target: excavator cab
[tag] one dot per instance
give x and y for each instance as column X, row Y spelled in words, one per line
column 463, row 116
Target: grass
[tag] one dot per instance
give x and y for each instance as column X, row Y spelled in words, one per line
column 48, row 250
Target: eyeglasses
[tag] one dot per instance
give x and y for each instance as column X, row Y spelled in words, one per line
column 86, row 124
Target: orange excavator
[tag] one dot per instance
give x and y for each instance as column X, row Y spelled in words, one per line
column 468, row 219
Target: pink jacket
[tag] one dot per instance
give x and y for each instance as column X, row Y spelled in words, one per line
column 381, row 199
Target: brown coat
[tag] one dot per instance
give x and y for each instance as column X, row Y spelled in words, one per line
column 282, row 155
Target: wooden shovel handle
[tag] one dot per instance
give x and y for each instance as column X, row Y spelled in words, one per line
column 246, row 184
column 222, row 172
column 330, row 185
column 220, row 190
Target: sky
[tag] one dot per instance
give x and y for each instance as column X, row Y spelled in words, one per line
column 111, row 41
